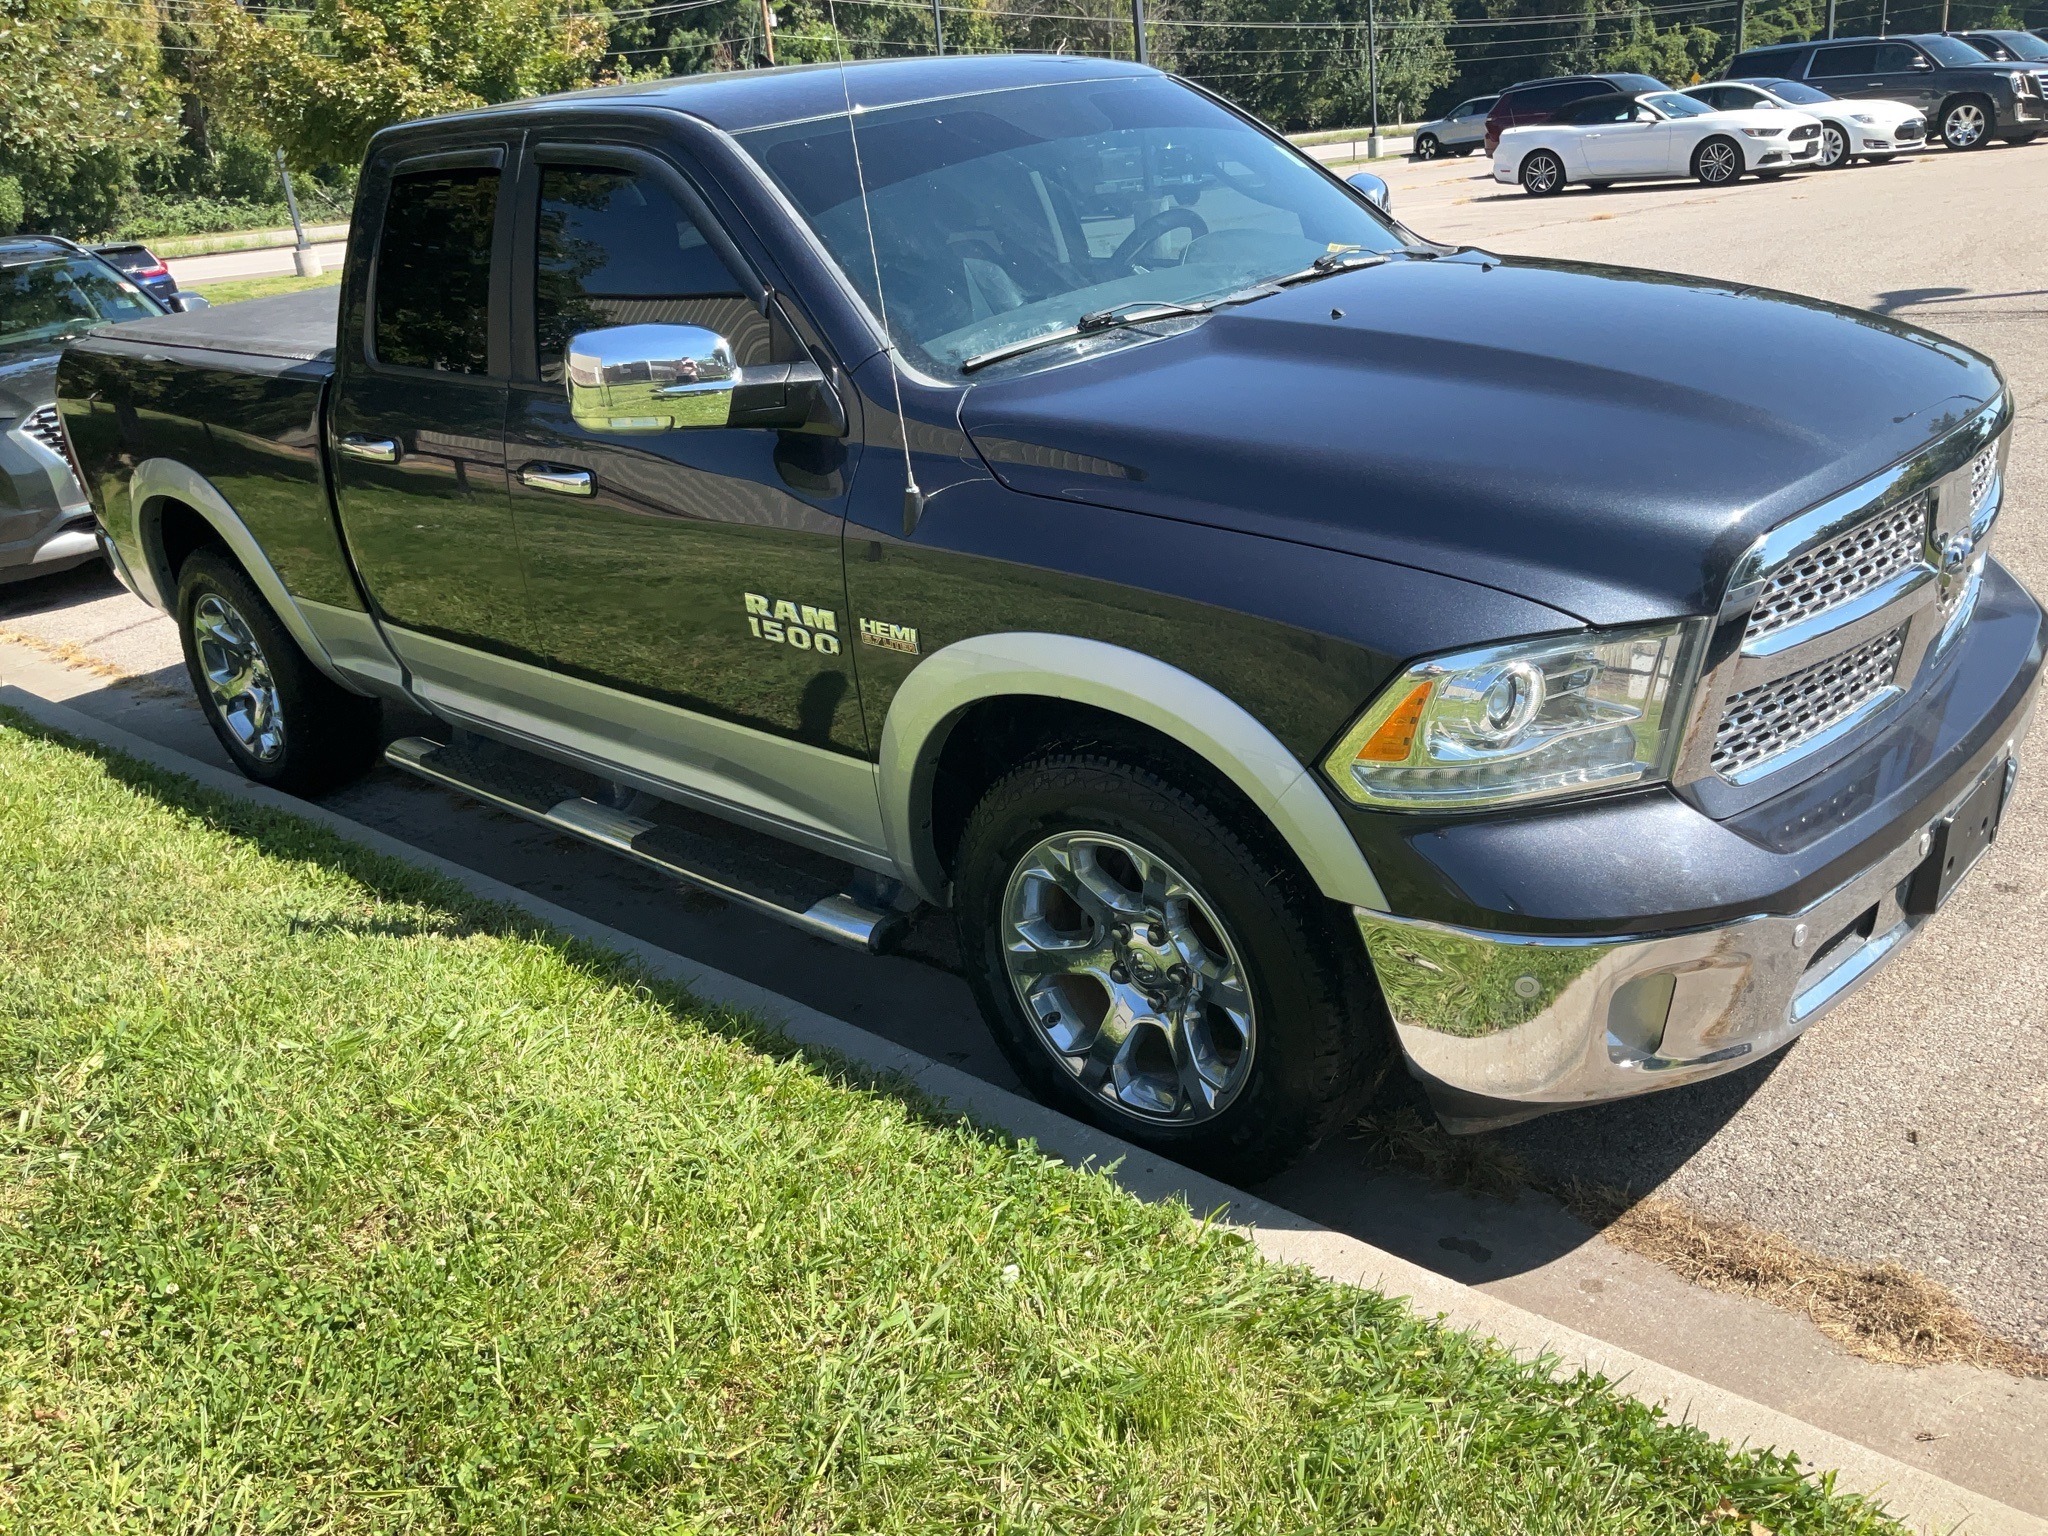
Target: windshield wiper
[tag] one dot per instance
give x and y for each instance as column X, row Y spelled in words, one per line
column 1137, row 312
column 1330, row 264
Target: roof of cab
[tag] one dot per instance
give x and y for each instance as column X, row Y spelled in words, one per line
column 738, row 100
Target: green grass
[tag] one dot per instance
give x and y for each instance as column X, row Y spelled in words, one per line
column 341, row 1202
column 230, row 290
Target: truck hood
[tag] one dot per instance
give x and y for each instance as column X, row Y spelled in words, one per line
column 1602, row 440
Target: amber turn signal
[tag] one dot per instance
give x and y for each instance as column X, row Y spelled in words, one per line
column 1395, row 737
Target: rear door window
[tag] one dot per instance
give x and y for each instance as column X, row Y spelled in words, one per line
column 614, row 247
column 1850, row 59
column 433, row 279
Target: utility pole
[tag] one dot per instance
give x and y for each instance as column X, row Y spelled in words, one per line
column 768, row 30
column 1944, row 15
column 938, row 30
column 1372, row 76
column 1138, row 28
column 1741, row 16
column 304, row 260
column 1831, row 18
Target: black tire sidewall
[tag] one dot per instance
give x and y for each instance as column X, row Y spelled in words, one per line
column 1555, row 187
column 1315, row 1032
column 1699, row 158
column 1428, row 147
column 1950, row 111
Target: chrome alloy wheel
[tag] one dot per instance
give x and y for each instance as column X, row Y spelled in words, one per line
column 1540, row 173
column 238, row 677
column 1834, row 147
column 1128, row 977
column 1720, row 162
column 1964, row 127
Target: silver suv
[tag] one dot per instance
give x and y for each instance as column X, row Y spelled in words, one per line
column 1458, row 132
column 50, row 291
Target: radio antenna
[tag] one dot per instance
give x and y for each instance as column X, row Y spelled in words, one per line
column 913, row 497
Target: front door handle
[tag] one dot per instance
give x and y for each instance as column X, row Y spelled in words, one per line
column 378, row 450
column 559, row 478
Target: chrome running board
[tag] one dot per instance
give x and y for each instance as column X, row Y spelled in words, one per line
column 806, row 891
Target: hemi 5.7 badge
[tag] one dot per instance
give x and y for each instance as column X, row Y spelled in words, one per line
column 889, row 637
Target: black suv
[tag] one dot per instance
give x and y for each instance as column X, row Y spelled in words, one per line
column 1539, row 101
column 1968, row 100
column 2004, row 47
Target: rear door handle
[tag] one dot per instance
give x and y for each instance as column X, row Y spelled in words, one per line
column 378, row 450
column 559, row 478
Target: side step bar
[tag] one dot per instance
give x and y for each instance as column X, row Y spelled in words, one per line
column 521, row 784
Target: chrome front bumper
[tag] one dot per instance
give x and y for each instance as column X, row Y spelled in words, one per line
column 1504, row 1027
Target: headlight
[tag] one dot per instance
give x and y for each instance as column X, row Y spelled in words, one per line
column 1564, row 715
column 1865, row 117
column 2019, row 82
column 1763, row 133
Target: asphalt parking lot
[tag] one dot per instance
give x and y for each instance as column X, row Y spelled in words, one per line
column 1907, row 1125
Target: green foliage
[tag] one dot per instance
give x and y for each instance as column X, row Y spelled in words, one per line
column 319, row 83
column 12, row 208
column 339, row 1201
column 162, row 217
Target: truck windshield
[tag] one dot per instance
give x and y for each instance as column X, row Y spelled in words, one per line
column 45, row 300
column 1010, row 215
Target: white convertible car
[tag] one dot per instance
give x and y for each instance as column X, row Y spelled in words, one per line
column 1657, row 134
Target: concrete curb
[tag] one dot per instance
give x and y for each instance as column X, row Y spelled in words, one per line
column 1920, row 1499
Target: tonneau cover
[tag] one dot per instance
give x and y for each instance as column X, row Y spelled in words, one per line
column 298, row 326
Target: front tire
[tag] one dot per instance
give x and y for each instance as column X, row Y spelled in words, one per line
column 1717, row 162
column 1151, row 966
column 1966, row 124
column 1836, row 147
column 282, row 721
column 1427, row 147
column 1542, row 174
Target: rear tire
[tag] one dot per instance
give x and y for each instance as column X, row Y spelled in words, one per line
column 1717, row 162
column 1542, row 174
column 282, row 720
column 1152, row 966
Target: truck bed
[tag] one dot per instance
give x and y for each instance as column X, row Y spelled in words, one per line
column 237, row 396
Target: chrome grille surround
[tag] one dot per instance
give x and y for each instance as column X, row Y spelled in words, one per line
column 1762, row 723
column 43, row 426
column 1833, row 616
column 1864, row 556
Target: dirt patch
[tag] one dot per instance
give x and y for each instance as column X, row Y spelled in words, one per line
column 74, row 655
column 1880, row 1311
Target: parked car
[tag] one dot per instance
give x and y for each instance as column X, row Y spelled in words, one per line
column 143, row 267
column 50, row 290
column 1537, row 101
column 1458, row 132
column 1875, row 129
column 2007, row 47
column 1967, row 100
column 1597, row 750
column 1659, row 134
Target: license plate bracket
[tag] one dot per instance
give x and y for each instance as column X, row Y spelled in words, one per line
column 1959, row 841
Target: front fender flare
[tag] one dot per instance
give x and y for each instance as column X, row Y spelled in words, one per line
column 1123, row 682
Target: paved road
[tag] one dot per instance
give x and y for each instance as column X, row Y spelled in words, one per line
column 1949, row 1045
column 1912, row 1123
column 191, row 271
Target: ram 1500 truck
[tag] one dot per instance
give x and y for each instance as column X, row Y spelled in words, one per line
column 1026, row 485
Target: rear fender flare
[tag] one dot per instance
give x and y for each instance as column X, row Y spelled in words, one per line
column 156, row 481
column 1124, row 682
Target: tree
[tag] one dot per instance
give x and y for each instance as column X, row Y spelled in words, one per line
column 84, row 105
column 319, row 82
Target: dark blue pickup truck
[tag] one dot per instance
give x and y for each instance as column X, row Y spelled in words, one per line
column 1027, row 486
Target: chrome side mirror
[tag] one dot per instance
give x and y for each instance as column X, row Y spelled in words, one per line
column 649, row 378
column 1374, row 188
column 188, row 303
column 658, row 378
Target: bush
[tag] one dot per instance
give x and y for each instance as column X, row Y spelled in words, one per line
column 12, row 210
column 164, row 217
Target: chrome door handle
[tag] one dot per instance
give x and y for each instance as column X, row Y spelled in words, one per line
column 378, row 450
column 559, row 478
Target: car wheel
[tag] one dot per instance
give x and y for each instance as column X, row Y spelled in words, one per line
column 1151, row 965
column 1965, row 124
column 1427, row 147
column 1835, row 147
column 283, row 721
column 1717, row 162
column 1542, row 174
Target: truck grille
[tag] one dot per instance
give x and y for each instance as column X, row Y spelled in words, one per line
column 43, row 426
column 1983, row 475
column 1773, row 718
column 1847, row 566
